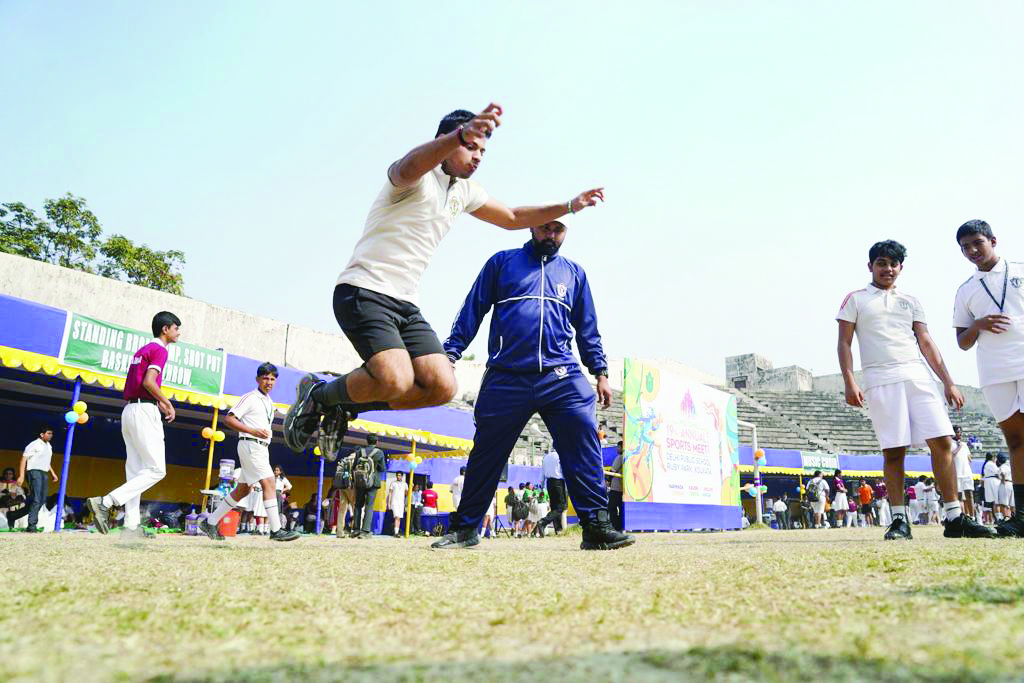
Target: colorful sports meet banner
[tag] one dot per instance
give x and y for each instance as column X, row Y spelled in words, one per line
column 681, row 441
column 106, row 348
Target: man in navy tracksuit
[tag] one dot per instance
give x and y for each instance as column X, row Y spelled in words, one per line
column 539, row 298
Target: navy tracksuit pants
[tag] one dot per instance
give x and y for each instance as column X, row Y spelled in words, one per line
column 507, row 400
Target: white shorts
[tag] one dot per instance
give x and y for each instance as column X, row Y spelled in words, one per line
column 991, row 490
column 818, row 507
column 1005, row 399
column 907, row 413
column 255, row 460
column 1005, row 494
column 964, row 484
column 840, row 503
column 933, row 506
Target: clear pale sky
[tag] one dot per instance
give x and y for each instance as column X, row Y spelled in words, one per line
column 751, row 152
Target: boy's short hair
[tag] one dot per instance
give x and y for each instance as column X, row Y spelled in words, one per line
column 454, row 120
column 890, row 249
column 975, row 227
column 43, row 428
column 371, row 439
column 163, row 319
column 266, row 369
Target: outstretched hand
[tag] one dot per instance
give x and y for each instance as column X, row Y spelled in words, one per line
column 482, row 125
column 588, row 198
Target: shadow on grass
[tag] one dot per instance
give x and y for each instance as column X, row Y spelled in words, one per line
column 725, row 664
column 973, row 592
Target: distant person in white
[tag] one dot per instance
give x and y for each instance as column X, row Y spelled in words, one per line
column 989, row 312
column 821, row 487
column 964, row 474
column 554, row 481
column 395, row 500
column 901, row 396
column 1005, row 498
column 456, row 487
column 253, row 417
column 33, row 468
column 990, row 480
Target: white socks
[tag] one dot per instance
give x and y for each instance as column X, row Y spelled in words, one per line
column 951, row 510
column 273, row 518
column 226, row 505
column 899, row 510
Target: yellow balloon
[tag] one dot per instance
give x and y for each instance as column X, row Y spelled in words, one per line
column 80, row 407
column 207, row 432
column 316, row 450
column 418, row 460
column 83, row 418
column 218, row 436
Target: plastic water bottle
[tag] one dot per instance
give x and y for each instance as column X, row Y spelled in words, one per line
column 192, row 523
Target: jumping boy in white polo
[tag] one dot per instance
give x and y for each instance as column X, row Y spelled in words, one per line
column 253, row 417
column 376, row 297
column 141, row 428
column 906, row 407
column 989, row 312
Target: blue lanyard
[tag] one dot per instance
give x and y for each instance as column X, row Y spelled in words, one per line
column 1006, row 278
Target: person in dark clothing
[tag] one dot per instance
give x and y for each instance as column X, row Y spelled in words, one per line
column 370, row 463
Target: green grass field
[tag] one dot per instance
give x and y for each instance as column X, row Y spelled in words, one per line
column 825, row 605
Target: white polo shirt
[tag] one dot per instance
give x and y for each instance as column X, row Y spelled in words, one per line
column 1000, row 356
column 552, row 466
column 256, row 411
column 962, row 460
column 403, row 230
column 884, row 320
column 38, row 453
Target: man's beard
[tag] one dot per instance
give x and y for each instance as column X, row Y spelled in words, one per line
column 545, row 247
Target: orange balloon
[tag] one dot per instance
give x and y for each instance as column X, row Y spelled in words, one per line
column 207, row 432
column 83, row 418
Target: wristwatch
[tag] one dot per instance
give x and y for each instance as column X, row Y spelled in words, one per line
column 601, row 373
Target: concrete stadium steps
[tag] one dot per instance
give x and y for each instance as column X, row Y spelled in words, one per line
column 773, row 431
column 825, row 415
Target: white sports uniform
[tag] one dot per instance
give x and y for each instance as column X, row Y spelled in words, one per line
column 255, row 410
column 1005, row 485
column 396, row 494
column 823, row 488
column 1000, row 357
column 902, row 397
column 962, row 460
column 990, row 478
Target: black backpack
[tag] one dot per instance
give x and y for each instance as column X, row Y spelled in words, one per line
column 343, row 475
column 364, row 470
column 813, row 492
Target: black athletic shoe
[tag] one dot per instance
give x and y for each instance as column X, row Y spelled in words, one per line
column 965, row 527
column 210, row 530
column 100, row 514
column 464, row 538
column 282, row 535
column 303, row 416
column 599, row 534
column 332, row 430
column 1010, row 528
column 899, row 529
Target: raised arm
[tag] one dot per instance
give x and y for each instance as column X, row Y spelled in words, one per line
column 474, row 308
column 931, row 354
column 414, row 165
column 854, row 396
column 496, row 213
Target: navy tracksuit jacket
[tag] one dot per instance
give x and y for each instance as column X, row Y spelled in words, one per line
column 540, row 303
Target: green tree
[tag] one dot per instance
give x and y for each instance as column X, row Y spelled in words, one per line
column 71, row 236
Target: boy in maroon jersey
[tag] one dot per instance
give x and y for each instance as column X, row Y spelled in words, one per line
column 141, row 427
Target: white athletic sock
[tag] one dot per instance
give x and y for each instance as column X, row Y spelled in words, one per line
column 226, row 505
column 273, row 519
column 898, row 510
column 951, row 510
column 108, row 501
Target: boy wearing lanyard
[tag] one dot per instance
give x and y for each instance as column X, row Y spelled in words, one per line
column 905, row 405
column 989, row 312
column 252, row 417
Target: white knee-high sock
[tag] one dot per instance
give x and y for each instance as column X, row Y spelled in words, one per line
column 226, row 505
column 273, row 518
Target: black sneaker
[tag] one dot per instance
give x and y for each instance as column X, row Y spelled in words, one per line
column 282, row 535
column 1011, row 528
column 210, row 530
column 899, row 529
column 599, row 534
column 965, row 527
column 332, row 430
column 100, row 514
column 303, row 416
column 464, row 538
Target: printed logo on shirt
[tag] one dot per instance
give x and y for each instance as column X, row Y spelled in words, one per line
column 1016, row 282
column 561, row 371
column 905, row 305
column 561, row 290
column 455, row 206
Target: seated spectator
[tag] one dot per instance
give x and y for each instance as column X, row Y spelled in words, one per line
column 12, row 497
column 309, row 514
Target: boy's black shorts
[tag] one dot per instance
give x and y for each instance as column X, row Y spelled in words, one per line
column 375, row 322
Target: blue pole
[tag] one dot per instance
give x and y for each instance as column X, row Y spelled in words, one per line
column 58, row 521
column 319, row 494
